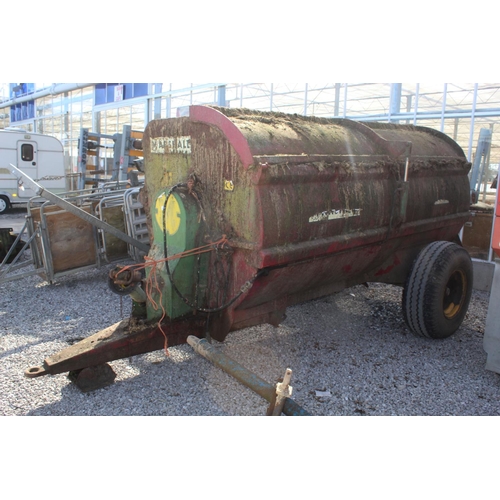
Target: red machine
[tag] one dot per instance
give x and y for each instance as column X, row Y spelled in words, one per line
column 252, row 212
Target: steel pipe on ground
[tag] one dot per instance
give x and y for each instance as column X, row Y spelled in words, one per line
column 244, row 376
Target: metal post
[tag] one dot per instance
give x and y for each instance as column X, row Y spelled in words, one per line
column 408, row 106
column 345, row 100
column 48, row 265
column 415, row 109
column 455, row 130
column 244, row 376
column 337, row 100
column 221, row 95
column 480, row 162
column 283, row 391
column 305, row 99
column 472, row 119
column 407, row 163
column 395, row 100
column 168, row 111
column 443, row 107
column 6, row 267
column 487, row 166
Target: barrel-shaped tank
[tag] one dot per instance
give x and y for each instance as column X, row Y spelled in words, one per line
column 293, row 207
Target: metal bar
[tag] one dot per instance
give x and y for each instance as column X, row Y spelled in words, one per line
column 69, row 207
column 305, row 99
column 48, row 265
column 415, row 109
column 283, row 391
column 13, row 244
column 337, row 100
column 55, row 89
column 244, row 376
column 473, row 116
column 35, row 251
column 221, row 95
column 487, row 166
column 407, row 163
column 480, row 161
column 395, row 101
column 157, row 102
column 430, row 115
column 443, row 107
column 344, row 114
column 121, row 340
column 455, row 130
column 20, row 275
column 12, row 250
column 6, row 268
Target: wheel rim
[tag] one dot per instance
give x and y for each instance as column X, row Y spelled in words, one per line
column 3, row 204
column 454, row 295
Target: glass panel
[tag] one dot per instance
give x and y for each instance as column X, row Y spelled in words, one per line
column 4, row 117
column 27, row 152
column 110, row 92
column 100, row 93
column 141, row 89
column 137, row 117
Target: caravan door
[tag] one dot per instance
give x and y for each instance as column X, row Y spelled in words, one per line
column 27, row 161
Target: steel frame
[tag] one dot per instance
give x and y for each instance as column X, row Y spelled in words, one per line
column 41, row 256
column 360, row 101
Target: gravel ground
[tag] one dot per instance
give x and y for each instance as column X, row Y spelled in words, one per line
column 351, row 354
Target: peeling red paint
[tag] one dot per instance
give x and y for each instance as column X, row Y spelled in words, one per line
column 388, row 269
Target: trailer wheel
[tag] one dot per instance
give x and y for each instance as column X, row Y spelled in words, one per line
column 4, row 204
column 438, row 290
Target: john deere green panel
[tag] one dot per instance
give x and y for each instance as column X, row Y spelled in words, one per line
column 175, row 226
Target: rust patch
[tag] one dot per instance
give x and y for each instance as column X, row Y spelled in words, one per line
column 388, row 269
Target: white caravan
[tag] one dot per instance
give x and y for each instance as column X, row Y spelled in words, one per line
column 41, row 157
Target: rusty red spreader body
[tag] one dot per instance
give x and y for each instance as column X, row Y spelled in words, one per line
column 251, row 212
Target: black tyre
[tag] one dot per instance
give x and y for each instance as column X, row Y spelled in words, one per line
column 4, row 204
column 438, row 290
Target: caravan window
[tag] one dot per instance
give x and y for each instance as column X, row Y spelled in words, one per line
column 27, row 152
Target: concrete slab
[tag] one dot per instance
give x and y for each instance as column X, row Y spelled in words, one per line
column 491, row 341
column 483, row 274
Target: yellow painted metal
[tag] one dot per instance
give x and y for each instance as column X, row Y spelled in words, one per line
column 172, row 213
column 136, row 152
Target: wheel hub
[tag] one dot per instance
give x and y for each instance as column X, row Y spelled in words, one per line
column 454, row 295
